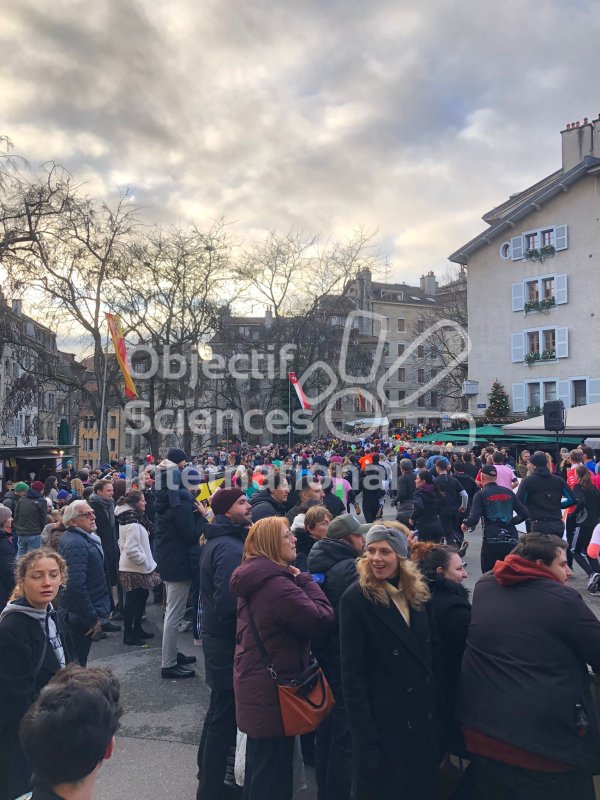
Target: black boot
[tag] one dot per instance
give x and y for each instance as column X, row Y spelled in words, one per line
column 131, row 638
column 142, row 634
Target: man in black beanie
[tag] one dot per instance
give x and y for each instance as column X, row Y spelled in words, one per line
column 221, row 555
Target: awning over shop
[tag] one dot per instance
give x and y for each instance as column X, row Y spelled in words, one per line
column 582, row 421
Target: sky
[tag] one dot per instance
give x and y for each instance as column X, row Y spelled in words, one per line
column 408, row 119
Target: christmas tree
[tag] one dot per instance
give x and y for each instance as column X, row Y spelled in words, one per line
column 498, row 404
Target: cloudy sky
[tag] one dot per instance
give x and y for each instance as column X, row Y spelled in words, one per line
column 323, row 115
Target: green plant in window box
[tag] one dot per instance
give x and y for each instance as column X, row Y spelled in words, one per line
column 533, row 254
column 531, row 357
column 546, row 303
column 533, row 411
column 531, row 305
column 548, row 354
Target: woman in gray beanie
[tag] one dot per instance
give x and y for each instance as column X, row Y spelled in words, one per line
column 388, row 673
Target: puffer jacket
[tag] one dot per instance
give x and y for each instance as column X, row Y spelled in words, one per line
column 336, row 562
column 264, row 505
column 221, row 555
column 134, row 542
column 86, row 593
column 31, row 514
column 7, row 568
column 288, row 611
column 178, row 529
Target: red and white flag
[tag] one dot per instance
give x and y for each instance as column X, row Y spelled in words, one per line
column 299, row 391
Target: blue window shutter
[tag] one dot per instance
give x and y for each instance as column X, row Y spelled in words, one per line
column 563, row 392
column 518, row 398
column 560, row 290
column 516, row 248
column 561, row 237
column 517, row 341
column 593, row 390
column 518, row 296
column 562, row 342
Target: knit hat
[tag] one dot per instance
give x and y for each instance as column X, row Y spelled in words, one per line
column 396, row 539
column 5, row 513
column 176, row 455
column 223, row 499
column 191, row 478
column 21, row 486
column 346, row 525
column 62, row 495
column 37, row 486
column 538, row 459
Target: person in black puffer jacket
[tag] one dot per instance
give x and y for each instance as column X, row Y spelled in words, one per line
column 445, row 572
column 7, row 557
column 221, row 555
column 271, row 501
column 179, row 523
column 332, row 562
column 426, row 515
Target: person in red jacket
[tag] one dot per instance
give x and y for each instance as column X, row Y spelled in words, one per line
column 288, row 609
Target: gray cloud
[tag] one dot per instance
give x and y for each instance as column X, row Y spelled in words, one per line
column 324, row 116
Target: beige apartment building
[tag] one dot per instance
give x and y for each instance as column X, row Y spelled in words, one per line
column 533, row 286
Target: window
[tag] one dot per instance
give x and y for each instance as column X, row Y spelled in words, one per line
column 400, row 326
column 434, row 399
column 579, row 393
column 420, row 325
column 386, row 349
column 534, row 394
column 549, row 339
column 548, row 287
column 532, row 290
column 127, row 440
column 338, row 404
column 531, row 240
column 401, row 375
column 112, row 444
column 533, row 342
column 421, row 401
column 51, row 401
column 401, row 348
column 387, row 394
column 401, row 394
column 549, row 391
column 112, row 423
column 546, row 237
column 420, row 351
column 421, row 376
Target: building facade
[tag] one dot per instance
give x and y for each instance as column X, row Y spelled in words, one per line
column 532, row 286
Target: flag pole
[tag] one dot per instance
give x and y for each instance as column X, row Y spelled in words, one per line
column 289, row 412
column 103, row 402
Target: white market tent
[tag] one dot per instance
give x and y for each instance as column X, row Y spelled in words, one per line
column 581, row 421
column 370, row 422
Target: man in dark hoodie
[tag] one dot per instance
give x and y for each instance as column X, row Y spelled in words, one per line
column 525, row 701
column 30, row 519
column 270, row 502
column 332, row 562
column 221, row 555
column 545, row 495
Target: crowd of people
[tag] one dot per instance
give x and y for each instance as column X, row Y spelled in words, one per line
column 288, row 588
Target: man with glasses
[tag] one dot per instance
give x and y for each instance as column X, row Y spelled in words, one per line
column 85, row 601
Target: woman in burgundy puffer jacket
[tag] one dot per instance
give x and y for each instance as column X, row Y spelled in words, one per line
column 289, row 610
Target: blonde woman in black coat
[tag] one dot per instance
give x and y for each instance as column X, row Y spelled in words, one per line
column 387, row 673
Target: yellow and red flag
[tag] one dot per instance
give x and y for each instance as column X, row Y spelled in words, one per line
column 116, row 332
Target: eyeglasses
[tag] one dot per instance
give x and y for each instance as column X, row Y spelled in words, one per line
column 87, row 515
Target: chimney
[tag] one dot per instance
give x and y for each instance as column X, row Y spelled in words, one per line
column 429, row 284
column 17, row 306
column 268, row 317
column 577, row 143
